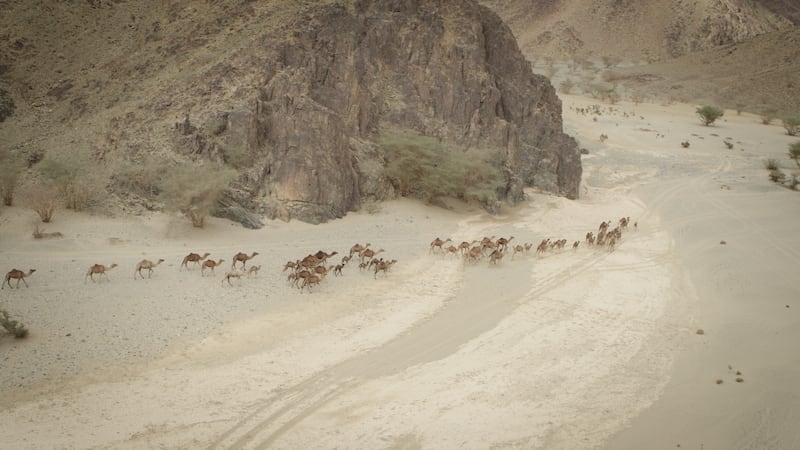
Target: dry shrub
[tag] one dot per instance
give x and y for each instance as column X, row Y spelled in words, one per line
column 10, row 170
column 13, row 327
column 140, row 177
column 42, row 199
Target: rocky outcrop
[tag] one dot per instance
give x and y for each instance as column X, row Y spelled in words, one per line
column 307, row 138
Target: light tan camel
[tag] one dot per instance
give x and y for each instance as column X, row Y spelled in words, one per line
column 474, row 254
column 438, row 243
column 312, row 280
column 193, row 258
column 231, row 274
column 253, row 270
column 502, row 243
column 243, row 258
column 211, row 264
column 291, row 265
column 464, row 246
column 369, row 254
column 98, row 269
column 452, row 250
column 496, row 256
column 517, row 249
column 148, row 265
column 16, row 274
column 358, row 248
column 383, row 266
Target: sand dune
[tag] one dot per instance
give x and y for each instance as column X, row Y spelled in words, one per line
column 572, row 349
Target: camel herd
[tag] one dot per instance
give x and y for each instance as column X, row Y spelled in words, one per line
column 494, row 250
column 311, row 270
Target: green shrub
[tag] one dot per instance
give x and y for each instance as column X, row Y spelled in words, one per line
column 709, row 114
column 77, row 176
column 194, row 190
column 792, row 125
column 422, row 167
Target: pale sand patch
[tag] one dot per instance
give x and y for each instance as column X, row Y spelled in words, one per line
column 561, row 351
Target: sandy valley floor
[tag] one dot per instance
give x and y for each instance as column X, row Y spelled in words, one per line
column 573, row 349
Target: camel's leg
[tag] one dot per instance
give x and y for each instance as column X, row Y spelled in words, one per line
column 23, row 280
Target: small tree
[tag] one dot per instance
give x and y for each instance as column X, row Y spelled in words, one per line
column 794, row 152
column 709, row 114
column 792, row 125
column 43, row 199
column 10, row 169
column 13, row 327
column 195, row 189
column 76, row 175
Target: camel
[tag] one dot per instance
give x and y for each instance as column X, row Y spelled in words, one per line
column 210, row 264
column 575, row 245
column 229, row 275
column 98, row 269
column 253, row 270
column 148, row 265
column 370, row 254
column 312, row 280
column 495, row 256
column 528, row 247
column 322, row 256
column 543, row 246
column 358, row 248
column 321, row 270
column 291, row 265
column 362, row 266
column 590, row 238
column 464, row 246
column 337, row 271
column 517, row 249
column 438, row 243
column 303, row 274
column 474, row 254
column 18, row 275
column 503, row 242
column 452, row 250
column 345, row 260
column 243, row 258
column 193, row 258
column 383, row 266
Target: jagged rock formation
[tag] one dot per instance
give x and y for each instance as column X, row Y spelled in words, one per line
column 294, row 95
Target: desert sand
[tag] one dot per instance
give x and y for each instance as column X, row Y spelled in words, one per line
column 570, row 349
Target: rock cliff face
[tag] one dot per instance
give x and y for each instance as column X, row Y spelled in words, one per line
column 449, row 69
column 296, row 96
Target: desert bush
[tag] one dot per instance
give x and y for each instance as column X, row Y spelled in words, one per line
column 603, row 92
column 194, row 190
column 76, row 175
column 422, row 167
column 10, row 170
column 771, row 164
column 709, row 114
column 794, row 182
column 13, row 327
column 777, row 176
column 141, row 178
column 794, row 152
column 567, row 85
column 792, row 125
column 767, row 116
column 43, row 199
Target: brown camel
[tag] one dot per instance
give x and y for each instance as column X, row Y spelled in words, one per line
column 495, row 256
column 211, row 264
column 322, row 256
column 253, row 270
column 464, row 246
column 302, row 275
column 192, row 258
column 337, row 271
column 383, row 266
column 452, row 250
column 148, row 265
column 358, row 248
column 15, row 274
column 474, row 254
column 312, row 280
column 369, row 254
column 517, row 249
column 438, row 243
column 229, row 275
column 243, row 258
column 98, row 269
column 503, row 242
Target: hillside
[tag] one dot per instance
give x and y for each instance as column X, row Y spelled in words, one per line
column 727, row 52
column 297, row 97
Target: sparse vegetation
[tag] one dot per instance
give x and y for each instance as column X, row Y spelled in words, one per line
column 768, row 115
column 10, row 170
column 43, row 200
column 794, row 153
column 792, row 125
column 709, row 114
column 11, row 326
column 76, row 175
column 140, row 177
column 771, row 164
column 195, row 189
column 422, row 167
